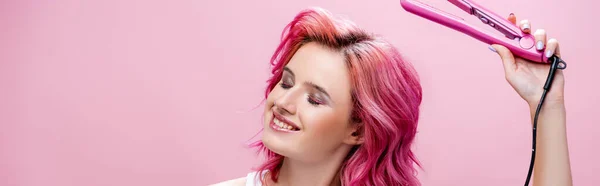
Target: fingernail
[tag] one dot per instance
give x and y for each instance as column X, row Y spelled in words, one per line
column 492, row 49
column 539, row 45
column 526, row 27
column 549, row 53
column 511, row 14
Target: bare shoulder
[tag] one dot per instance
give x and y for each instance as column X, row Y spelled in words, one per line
column 234, row 182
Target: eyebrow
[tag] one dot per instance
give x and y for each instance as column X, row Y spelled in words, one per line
column 311, row 84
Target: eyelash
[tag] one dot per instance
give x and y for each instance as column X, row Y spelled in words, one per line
column 310, row 100
column 285, row 86
column 313, row 101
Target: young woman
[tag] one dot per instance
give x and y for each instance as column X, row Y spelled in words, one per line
column 342, row 108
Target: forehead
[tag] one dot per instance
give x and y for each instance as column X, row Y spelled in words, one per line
column 323, row 66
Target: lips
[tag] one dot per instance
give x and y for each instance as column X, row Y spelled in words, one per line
column 281, row 123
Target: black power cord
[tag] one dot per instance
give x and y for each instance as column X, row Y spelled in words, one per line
column 556, row 63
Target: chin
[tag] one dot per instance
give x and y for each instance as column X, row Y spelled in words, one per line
column 273, row 144
column 278, row 139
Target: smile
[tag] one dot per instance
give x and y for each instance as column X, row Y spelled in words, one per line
column 281, row 124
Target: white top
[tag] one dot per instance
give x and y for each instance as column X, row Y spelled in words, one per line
column 252, row 180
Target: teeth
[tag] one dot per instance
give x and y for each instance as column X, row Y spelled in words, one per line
column 282, row 124
column 279, row 123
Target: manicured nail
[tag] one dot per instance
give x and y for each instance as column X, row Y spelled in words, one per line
column 512, row 18
column 526, row 26
column 492, row 49
column 549, row 53
column 539, row 45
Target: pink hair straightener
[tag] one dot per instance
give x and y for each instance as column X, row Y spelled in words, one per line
column 518, row 42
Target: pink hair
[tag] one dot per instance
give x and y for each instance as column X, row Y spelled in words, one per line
column 386, row 94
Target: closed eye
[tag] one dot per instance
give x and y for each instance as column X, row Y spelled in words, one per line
column 285, row 85
column 314, row 101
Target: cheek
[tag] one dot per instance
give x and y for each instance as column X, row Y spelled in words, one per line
column 324, row 123
column 268, row 105
column 271, row 98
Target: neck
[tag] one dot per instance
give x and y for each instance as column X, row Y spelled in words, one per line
column 321, row 173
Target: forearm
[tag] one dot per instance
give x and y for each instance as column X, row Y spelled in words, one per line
column 552, row 165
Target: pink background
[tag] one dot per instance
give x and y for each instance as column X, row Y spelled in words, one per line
column 138, row 92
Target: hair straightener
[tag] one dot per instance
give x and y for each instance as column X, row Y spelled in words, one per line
column 519, row 43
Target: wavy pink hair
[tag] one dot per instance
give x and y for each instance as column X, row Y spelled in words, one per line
column 385, row 91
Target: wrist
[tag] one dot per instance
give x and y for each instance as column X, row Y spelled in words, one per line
column 553, row 103
column 554, row 99
column 553, row 112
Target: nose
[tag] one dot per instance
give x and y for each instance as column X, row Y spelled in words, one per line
column 286, row 103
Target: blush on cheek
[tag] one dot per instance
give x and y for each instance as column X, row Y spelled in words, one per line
column 325, row 119
column 326, row 127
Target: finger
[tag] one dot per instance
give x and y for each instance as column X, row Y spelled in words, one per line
column 525, row 26
column 552, row 48
column 512, row 18
column 508, row 60
column 540, row 39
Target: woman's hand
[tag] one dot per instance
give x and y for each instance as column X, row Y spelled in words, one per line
column 528, row 78
column 552, row 164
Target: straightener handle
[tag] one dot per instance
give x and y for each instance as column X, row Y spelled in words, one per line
column 527, row 41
